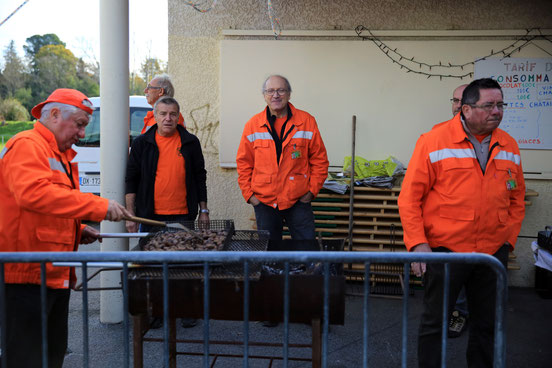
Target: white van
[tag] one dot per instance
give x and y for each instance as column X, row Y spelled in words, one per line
column 88, row 148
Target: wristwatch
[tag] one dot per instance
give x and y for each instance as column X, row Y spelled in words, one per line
column 204, row 210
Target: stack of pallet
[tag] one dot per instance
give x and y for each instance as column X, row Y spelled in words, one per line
column 376, row 222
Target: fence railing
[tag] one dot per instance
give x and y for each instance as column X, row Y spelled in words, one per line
column 126, row 260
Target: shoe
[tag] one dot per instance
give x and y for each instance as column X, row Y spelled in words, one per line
column 269, row 324
column 457, row 324
column 188, row 322
column 156, row 322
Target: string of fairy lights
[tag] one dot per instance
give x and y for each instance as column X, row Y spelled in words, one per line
column 274, row 20
column 410, row 65
column 203, row 7
column 199, row 5
column 15, row 11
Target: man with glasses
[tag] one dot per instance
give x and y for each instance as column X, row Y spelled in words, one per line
column 159, row 86
column 282, row 164
column 456, row 102
column 456, row 99
column 463, row 192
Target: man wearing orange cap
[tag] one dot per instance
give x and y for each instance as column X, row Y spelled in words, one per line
column 159, row 86
column 41, row 209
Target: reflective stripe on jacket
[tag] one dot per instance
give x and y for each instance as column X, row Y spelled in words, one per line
column 447, row 201
column 303, row 163
column 40, row 205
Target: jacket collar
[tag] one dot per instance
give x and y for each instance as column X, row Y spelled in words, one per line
column 457, row 129
column 270, row 117
column 458, row 134
column 292, row 111
column 51, row 139
column 499, row 136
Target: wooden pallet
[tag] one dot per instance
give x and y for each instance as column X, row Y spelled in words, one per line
column 376, row 221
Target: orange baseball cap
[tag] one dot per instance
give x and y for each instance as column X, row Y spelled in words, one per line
column 67, row 96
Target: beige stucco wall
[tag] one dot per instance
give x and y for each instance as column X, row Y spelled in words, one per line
column 537, row 216
column 194, row 65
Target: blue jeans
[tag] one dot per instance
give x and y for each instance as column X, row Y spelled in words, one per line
column 462, row 303
column 298, row 218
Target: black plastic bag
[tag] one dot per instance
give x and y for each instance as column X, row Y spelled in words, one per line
column 545, row 239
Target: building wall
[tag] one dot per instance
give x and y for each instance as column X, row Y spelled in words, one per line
column 537, row 216
column 194, row 64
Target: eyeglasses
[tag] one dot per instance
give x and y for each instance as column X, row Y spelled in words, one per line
column 488, row 107
column 455, row 100
column 272, row 92
column 149, row 86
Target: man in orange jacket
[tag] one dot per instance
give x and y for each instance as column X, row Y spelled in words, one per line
column 159, row 86
column 282, row 164
column 41, row 209
column 463, row 192
column 459, row 316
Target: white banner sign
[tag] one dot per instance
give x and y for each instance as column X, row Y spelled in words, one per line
column 527, row 88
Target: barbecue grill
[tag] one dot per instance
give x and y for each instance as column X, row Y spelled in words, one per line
column 226, row 292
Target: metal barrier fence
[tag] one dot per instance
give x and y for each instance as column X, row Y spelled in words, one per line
column 123, row 259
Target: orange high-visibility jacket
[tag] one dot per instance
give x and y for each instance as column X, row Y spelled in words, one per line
column 40, row 206
column 447, row 201
column 149, row 121
column 303, row 163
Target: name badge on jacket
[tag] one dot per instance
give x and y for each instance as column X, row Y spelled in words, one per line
column 511, row 183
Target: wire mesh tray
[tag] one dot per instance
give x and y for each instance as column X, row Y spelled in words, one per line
column 213, row 225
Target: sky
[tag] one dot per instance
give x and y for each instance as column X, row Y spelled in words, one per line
column 77, row 23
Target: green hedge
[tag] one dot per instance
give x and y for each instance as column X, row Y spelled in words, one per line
column 11, row 128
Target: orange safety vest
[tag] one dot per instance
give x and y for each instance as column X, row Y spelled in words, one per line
column 149, row 121
column 41, row 206
column 447, row 201
column 303, row 165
